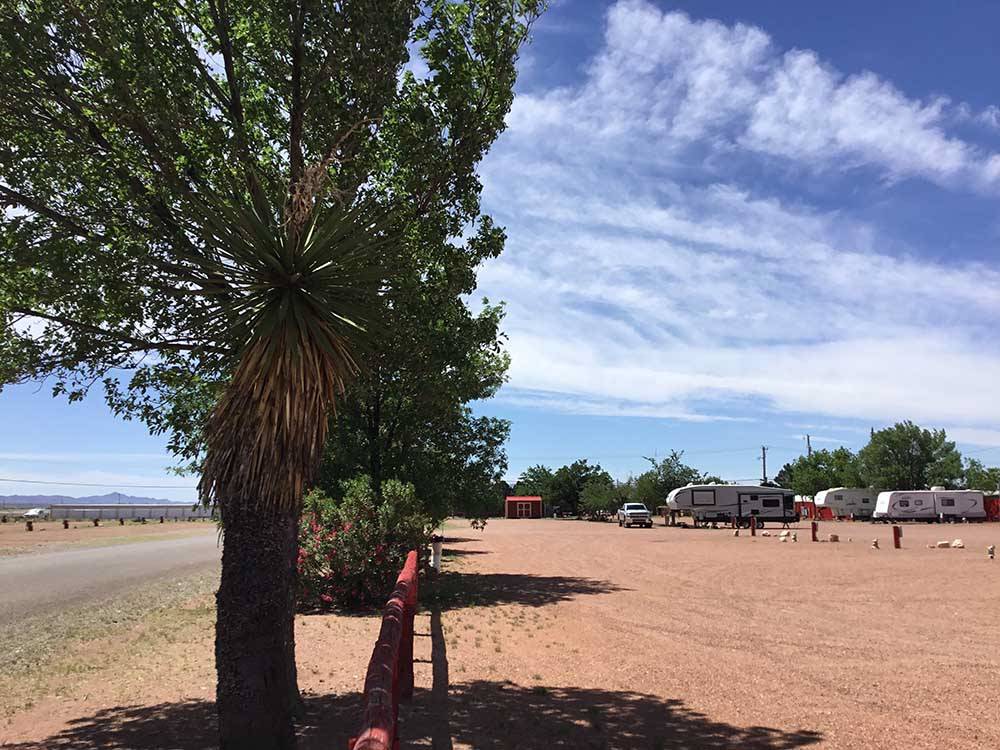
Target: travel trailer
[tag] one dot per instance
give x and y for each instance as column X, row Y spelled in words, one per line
column 845, row 502
column 707, row 503
column 935, row 504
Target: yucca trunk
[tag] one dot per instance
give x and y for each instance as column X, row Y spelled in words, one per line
column 264, row 441
column 257, row 692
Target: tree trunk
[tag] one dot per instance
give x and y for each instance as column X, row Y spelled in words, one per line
column 257, row 694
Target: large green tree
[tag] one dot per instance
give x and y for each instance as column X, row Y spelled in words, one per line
column 535, row 480
column 908, row 457
column 408, row 415
column 667, row 474
column 821, row 470
column 568, row 482
column 204, row 203
column 978, row 476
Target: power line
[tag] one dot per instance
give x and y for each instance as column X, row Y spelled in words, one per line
column 92, row 484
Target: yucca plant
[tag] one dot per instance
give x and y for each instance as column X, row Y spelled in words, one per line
column 210, row 195
column 300, row 300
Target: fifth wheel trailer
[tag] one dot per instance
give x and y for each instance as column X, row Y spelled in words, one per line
column 935, row 504
column 845, row 502
column 707, row 503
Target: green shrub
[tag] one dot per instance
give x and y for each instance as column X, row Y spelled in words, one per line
column 350, row 551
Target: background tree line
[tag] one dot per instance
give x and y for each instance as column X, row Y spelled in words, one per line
column 902, row 457
column 581, row 487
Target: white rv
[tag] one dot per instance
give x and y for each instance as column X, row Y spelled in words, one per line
column 844, row 502
column 937, row 504
column 724, row 502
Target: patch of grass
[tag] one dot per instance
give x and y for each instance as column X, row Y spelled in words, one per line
column 46, row 655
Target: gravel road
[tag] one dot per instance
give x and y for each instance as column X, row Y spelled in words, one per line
column 31, row 585
column 574, row 634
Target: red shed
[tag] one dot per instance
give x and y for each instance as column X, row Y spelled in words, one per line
column 523, row 506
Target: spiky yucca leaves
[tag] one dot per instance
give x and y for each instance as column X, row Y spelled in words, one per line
column 301, row 308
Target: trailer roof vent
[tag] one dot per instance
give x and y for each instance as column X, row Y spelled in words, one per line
column 938, row 489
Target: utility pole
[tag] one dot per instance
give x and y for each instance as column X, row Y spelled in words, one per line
column 763, row 460
column 809, row 448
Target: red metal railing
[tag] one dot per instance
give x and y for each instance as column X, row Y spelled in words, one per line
column 390, row 671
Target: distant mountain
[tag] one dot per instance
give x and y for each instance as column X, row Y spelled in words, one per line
column 33, row 501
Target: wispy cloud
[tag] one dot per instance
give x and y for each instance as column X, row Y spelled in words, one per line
column 645, row 275
column 675, row 82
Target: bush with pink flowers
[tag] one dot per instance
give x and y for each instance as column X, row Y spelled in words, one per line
column 351, row 550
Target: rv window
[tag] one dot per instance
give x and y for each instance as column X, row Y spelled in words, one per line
column 702, row 497
column 918, row 502
column 947, row 502
column 865, row 500
column 771, row 502
column 904, row 503
column 838, row 497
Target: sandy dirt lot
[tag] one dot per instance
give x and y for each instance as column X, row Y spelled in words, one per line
column 50, row 535
column 565, row 634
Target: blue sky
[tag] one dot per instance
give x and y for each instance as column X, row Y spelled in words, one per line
column 730, row 224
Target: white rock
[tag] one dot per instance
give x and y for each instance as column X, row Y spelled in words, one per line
column 786, row 532
column 944, row 545
column 958, row 544
column 783, row 539
column 765, row 533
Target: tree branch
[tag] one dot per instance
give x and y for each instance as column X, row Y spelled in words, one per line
column 31, row 204
column 138, row 344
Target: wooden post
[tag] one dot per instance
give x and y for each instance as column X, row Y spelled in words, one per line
column 897, row 537
column 753, row 525
column 65, row 523
column 29, row 526
column 97, row 522
column 815, row 531
column 121, row 521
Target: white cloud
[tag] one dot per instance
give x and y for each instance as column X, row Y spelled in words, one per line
column 642, row 277
column 678, row 81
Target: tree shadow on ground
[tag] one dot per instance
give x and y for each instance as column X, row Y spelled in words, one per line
column 496, row 715
column 454, row 589
column 481, row 714
column 448, row 552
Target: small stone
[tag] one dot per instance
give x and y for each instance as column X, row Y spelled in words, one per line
column 785, row 533
column 958, row 544
column 736, row 532
column 875, row 544
column 783, row 539
column 765, row 533
column 991, row 551
column 834, row 537
column 943, row 544
column 795, row 537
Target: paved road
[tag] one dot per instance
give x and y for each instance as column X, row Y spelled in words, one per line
column 33, row 584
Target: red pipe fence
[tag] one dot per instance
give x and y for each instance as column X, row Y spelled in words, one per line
column 390, row 671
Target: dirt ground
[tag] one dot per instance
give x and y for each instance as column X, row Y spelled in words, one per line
column 48, row 536
column 567, row 634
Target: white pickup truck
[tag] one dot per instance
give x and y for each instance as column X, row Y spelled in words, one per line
column 635, row 514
